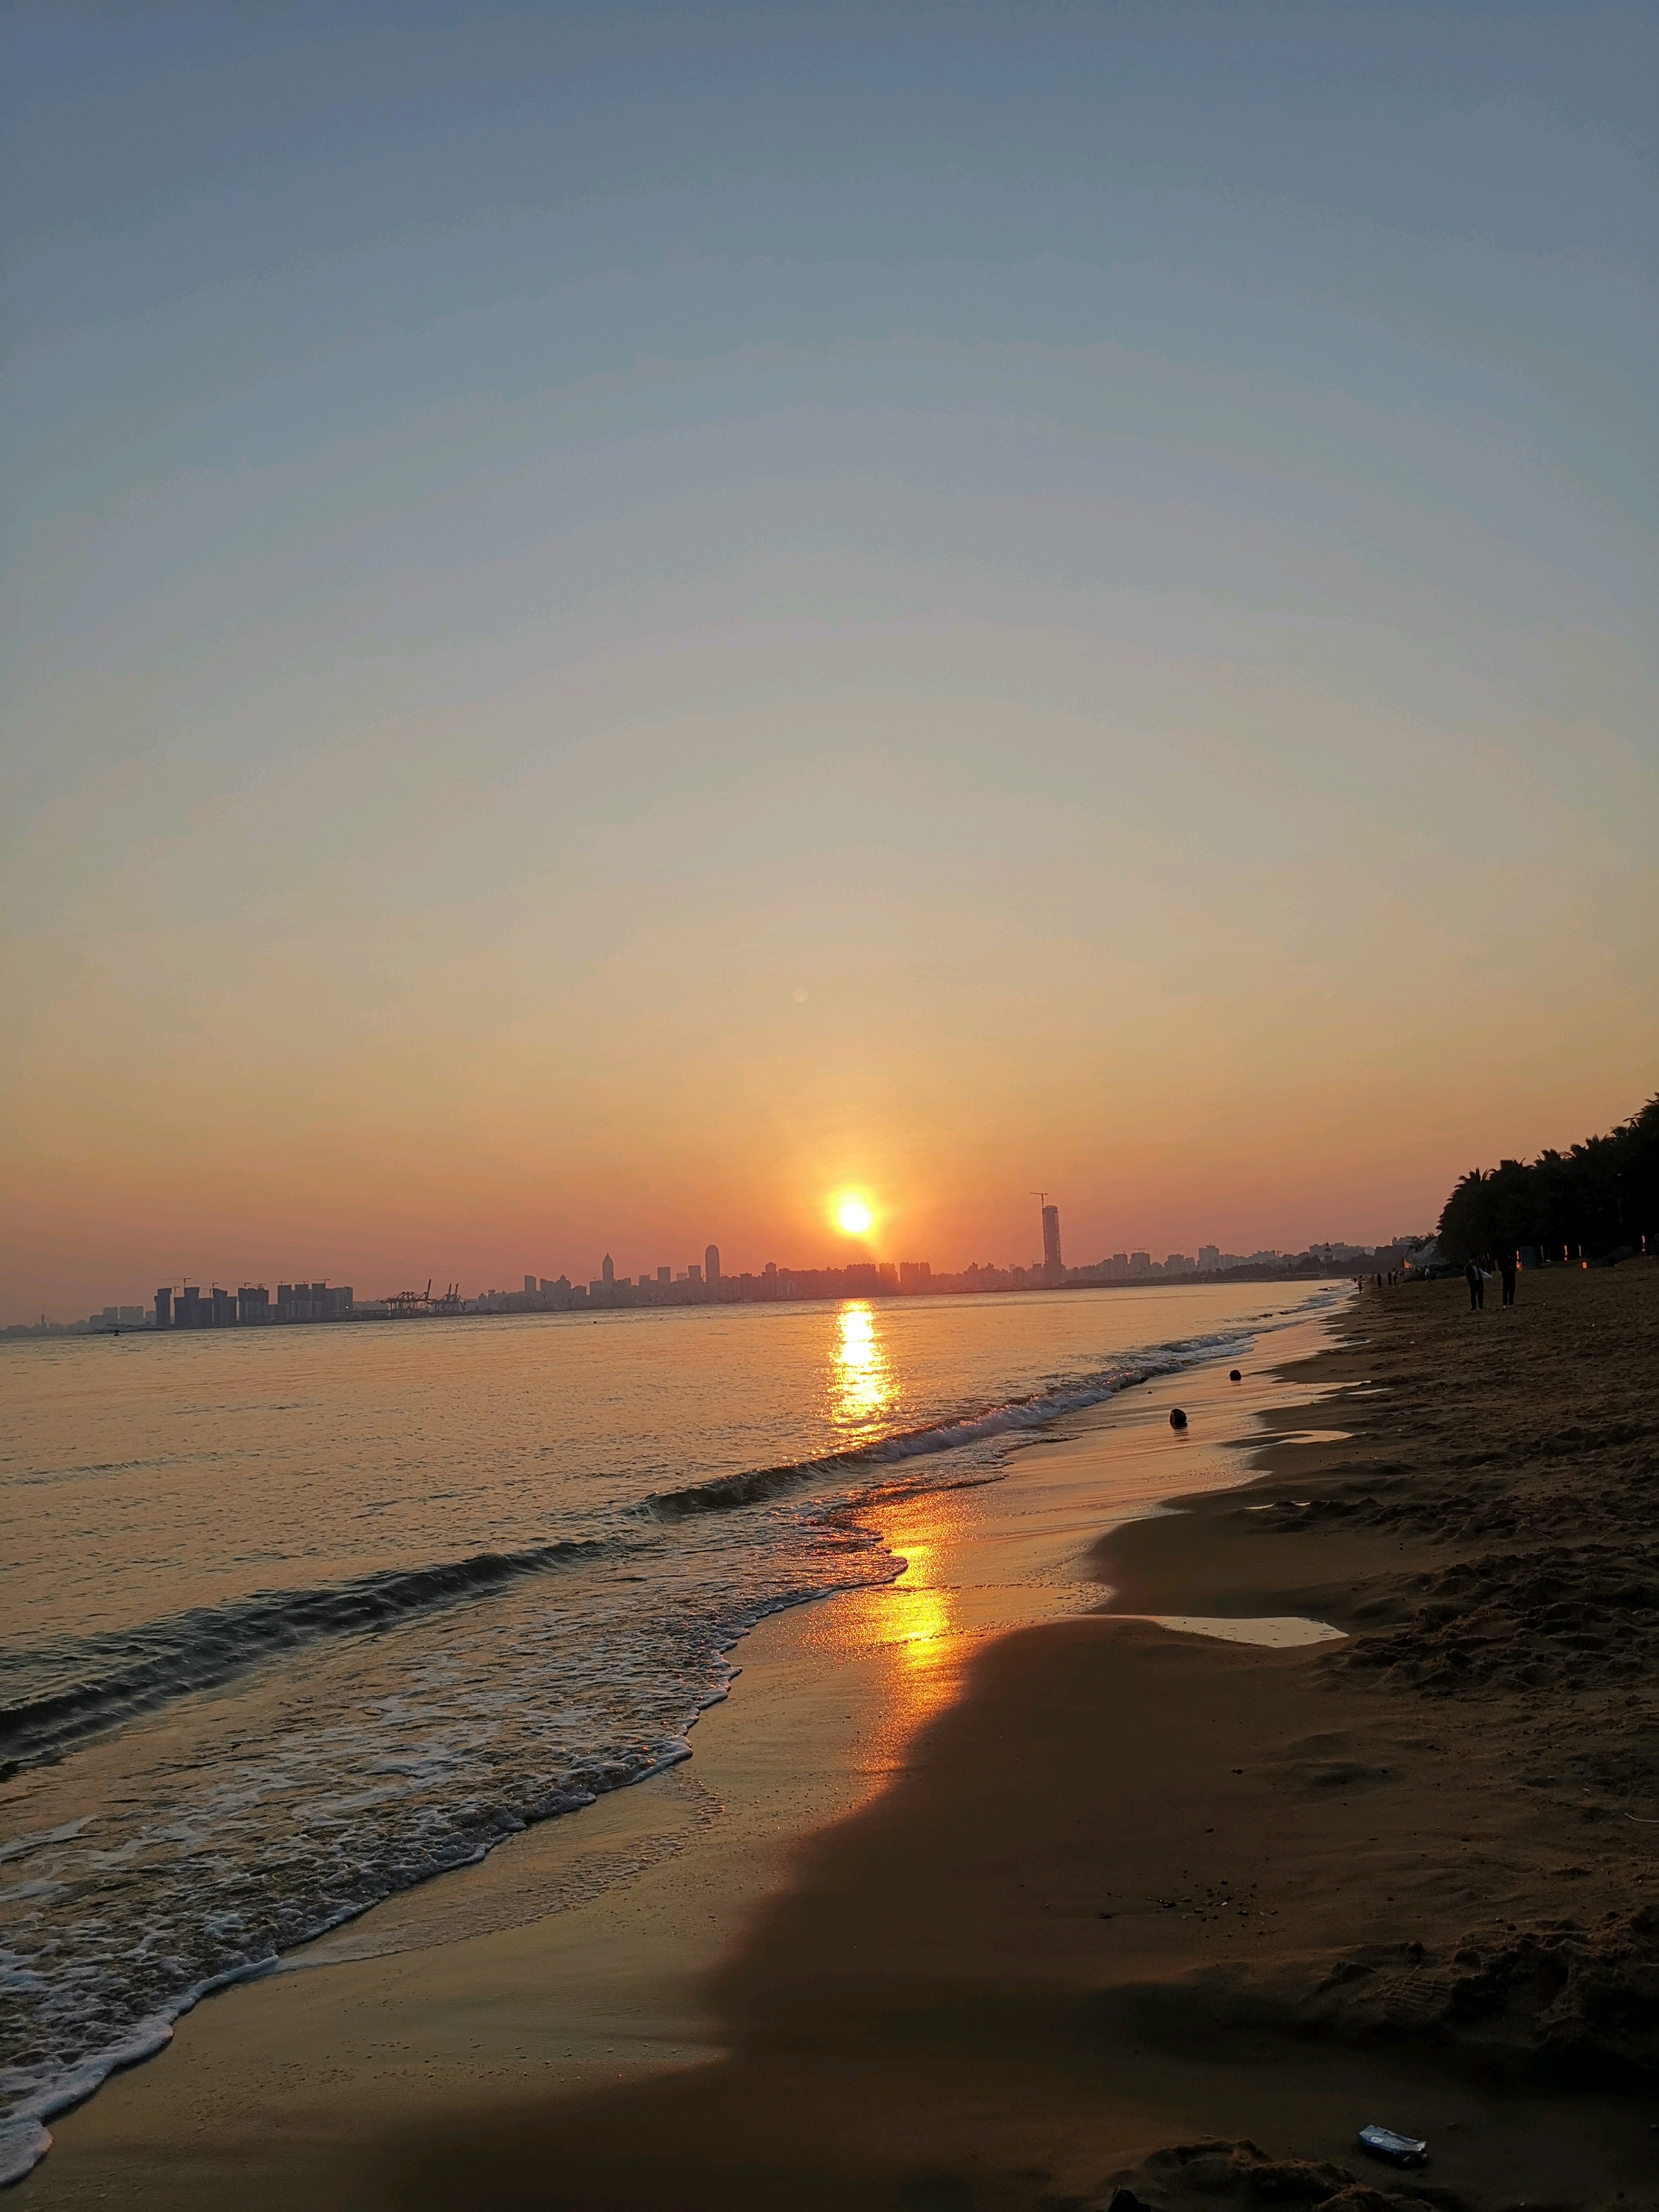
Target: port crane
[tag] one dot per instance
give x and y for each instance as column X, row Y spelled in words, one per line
column 420, row 1302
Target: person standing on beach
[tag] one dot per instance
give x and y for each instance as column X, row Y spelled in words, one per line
column 1477, row 1283
column 1506, row 1264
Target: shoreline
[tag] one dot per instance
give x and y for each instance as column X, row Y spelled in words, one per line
column 879, row 1293
column 789, row 1752
column 1149, row 1909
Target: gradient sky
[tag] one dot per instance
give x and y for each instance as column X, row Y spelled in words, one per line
column 615, row 620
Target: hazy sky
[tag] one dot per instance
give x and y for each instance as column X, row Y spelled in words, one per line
column 613, row 621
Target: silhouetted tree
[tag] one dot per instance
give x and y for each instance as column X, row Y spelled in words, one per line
column 1600, row 1196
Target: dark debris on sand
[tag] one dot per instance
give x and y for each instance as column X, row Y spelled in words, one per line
column 1571, row 2005
column 1200, row 2177
column 1188, row 2177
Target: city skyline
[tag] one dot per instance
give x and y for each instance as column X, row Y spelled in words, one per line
column 190, row 1301
column 17, row 1309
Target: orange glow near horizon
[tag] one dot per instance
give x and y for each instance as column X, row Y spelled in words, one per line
column 459, row 1180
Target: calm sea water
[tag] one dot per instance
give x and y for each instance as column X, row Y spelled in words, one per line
column 296, row 1618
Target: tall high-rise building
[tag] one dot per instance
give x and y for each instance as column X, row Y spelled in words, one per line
column 711, row 1264
column 1052, row 1267
column 530, row 1287
column 608, row 1271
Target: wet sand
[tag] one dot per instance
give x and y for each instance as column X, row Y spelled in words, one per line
column 953, row 1911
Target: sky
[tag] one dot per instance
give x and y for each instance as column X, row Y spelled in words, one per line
column 615, row 622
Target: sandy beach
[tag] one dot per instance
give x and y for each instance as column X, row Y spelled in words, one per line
column 989, row 1890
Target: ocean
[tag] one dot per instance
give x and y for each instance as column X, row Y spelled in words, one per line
column 296, row 1618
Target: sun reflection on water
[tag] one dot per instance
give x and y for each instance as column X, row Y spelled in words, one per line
column 924, row 1607
column 861, row 1378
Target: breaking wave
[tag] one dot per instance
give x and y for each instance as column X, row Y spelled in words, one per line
column 89, row 1683
column 726, row 1493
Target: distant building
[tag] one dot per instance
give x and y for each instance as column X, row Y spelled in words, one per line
column 665, row 1274
column 711, row 1264
column 530, row 1287
column 694, row 1274
column 1209, row 1259
column 164, row 1307
column 253, row 1302
column 608, row 1271
column 1140, row 1263
column 1052, row 1268
column 915, row 1275
column 312, row 1301
column 1177, row 1263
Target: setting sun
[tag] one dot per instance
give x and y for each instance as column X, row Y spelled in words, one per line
column 852, row 1217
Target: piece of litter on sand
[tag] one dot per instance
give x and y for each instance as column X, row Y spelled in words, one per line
column 1398, row 2149
column 1177, row 1418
